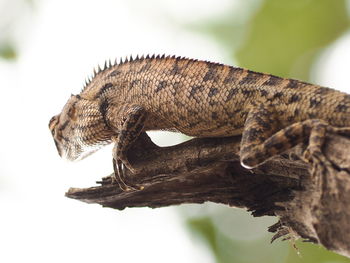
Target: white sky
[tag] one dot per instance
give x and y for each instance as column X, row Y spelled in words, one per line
column 65, row 40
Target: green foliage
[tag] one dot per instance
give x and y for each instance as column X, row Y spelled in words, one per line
column 310, row 253
column 227, row 249
column 7, row 51
column 281, row 37
column 285, row 36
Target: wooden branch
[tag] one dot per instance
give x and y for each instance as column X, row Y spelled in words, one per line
column 312, row 205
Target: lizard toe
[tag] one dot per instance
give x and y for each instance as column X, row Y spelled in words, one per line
column 248, row 163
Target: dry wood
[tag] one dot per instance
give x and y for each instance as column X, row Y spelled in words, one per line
column 311, row 201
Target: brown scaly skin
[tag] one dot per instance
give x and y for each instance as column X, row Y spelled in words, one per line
column 200, row 99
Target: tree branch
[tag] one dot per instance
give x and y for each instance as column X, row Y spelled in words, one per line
column 311, row 205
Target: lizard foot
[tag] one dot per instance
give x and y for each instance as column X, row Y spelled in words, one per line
column 119, row 177
column 322, row 169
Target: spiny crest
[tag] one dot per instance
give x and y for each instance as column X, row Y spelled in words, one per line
column 128, row 59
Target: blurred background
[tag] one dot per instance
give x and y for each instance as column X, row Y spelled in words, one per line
column 48, row 48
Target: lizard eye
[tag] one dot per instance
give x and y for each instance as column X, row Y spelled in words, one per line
column 72, row 113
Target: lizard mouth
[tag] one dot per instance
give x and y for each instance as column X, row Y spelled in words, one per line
column 58, row 148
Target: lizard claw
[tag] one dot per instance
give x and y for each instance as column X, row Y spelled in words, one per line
column 127, row 164
column 119, row 176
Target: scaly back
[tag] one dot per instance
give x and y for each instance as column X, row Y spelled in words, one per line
column 200, row 97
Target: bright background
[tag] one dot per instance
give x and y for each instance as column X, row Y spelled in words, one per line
column 48, row 48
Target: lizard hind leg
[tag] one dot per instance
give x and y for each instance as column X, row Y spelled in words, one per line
column 261, row 123
column 283, row 140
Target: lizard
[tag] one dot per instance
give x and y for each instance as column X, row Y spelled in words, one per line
column 198, row 98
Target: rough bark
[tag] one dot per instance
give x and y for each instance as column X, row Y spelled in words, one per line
column 311, row 201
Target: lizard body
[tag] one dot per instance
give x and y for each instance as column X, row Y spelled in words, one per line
column 197, row 98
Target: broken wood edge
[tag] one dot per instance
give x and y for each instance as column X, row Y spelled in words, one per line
column 311, row 201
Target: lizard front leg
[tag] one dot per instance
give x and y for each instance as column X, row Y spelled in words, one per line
column 131, row 126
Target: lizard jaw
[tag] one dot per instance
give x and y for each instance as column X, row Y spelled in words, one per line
column 79, row 152
column 85, row 154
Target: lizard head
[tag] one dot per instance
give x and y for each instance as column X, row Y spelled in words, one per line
column 79, row 130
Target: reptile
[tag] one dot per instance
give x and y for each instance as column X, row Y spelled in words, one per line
column 198, row 98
